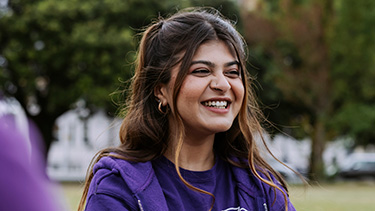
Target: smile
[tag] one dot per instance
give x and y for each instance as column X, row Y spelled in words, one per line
column 216, row 104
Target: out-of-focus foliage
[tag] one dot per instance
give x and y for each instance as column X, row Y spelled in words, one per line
column 353, row 70
column 316, row 60
column 290, row 46
column 53, row 53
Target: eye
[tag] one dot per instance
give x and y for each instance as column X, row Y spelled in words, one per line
column 201, row 72
column 233, row 73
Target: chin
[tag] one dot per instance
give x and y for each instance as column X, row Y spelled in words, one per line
column 222, row 128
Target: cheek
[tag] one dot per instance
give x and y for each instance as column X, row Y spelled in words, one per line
column 239, row 91
column 187, row 94
column 190, row 93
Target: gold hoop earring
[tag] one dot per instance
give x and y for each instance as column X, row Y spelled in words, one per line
column 160, row 108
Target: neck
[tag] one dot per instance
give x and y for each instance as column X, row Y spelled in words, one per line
column 196, row 153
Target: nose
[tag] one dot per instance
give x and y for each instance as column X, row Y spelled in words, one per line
column 220, row 83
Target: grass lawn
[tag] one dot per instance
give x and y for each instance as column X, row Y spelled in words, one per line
column 358, row 196
column 72, row 193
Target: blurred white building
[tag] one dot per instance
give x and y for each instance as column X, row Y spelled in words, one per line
column 296, row 154
column 79, row 137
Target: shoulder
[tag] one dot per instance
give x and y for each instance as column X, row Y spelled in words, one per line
column 133, row 174
column 125, row 184
column 276, row 197
column 108, row 187
column 257, row 188
column 119, row 179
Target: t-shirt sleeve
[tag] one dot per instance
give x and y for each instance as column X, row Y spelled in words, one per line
column 108, row 191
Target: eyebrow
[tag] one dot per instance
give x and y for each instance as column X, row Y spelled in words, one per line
column 210, row 64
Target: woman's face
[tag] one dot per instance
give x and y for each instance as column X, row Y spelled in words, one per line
column 212, row 92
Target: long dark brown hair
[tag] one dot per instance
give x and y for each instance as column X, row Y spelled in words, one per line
column 145, row 131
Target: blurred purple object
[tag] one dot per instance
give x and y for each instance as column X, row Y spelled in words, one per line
column 23, row 183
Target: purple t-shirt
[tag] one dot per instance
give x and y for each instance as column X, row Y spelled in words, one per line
column 219, row 181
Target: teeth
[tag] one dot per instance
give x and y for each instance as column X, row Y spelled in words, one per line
column 217, row 104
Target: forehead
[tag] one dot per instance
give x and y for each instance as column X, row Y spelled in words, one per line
column 216, row 50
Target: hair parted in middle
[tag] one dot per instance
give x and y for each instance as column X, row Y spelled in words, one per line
column 145, row 131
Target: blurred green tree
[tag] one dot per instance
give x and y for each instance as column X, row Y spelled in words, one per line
column 53, row 53
column 56, row 52
column 316, row 60
column 353, row 56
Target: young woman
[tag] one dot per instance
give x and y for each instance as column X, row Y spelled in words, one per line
column 187, row 139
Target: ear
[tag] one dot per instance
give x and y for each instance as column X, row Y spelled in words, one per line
column 160, row 92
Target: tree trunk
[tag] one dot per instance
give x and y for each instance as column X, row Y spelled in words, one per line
column 316, row 167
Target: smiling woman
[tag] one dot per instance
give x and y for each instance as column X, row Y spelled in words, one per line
column 187, row 139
